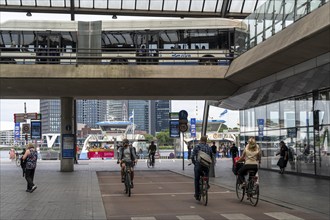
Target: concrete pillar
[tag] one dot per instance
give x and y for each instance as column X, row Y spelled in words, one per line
column 67, row 127
column 204, row 130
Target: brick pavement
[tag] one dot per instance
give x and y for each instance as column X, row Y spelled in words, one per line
column 76, row 195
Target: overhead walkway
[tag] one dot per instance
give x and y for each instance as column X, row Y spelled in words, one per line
column 298, row 43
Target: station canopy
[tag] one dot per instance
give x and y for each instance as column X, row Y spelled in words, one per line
column 236, row 9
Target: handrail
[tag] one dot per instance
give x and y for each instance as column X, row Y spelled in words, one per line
column 113, row 56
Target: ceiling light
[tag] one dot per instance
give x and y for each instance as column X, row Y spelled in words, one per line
column 28, row 14
column 114, row 17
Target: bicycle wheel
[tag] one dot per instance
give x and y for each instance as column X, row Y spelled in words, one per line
column 204, row 192
column 18, row 162
column 126, row 188
column 239, row 190
column 149, row 162
column 254, row 194
column 128, row 184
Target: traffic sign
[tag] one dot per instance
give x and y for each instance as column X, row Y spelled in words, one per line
column 183, row 121
column 193, row 127
column 22, row 117
column 183, row 127
column 183, row 114
column 25, row 128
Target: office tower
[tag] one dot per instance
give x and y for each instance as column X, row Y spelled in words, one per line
column 141, row 114
column 117, row 110
column 149, row 115
column 159, row 115
column 50, row 110
column 90, row 112
column 163, row 108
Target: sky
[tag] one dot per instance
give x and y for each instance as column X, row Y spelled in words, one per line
column 8, row 108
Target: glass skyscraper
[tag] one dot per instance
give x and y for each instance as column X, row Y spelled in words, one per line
column 90, row 112
column 150, row 116
column 50, row 110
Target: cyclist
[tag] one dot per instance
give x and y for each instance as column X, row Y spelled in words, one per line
column 126, row 154
column 198, row 169
column 252, row 157
column 152, row 151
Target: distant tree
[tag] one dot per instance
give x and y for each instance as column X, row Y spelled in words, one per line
column 223, row 127
column 148, row 137
column 163, row 138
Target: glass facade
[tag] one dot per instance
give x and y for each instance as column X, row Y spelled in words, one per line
column 272, row 17
column 302, row 122
column 50, row 110
column 90, row 112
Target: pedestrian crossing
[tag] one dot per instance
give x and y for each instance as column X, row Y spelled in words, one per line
column 232, row 216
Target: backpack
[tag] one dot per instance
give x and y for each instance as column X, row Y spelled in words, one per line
column 130, row 149
column 204, row 159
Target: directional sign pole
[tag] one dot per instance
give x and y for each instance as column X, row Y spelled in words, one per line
column 182, row 148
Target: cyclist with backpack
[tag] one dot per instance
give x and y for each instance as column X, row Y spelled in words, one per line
column 126, row 154
column 201, row 165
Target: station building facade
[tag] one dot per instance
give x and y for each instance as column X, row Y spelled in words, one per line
column 296, row 110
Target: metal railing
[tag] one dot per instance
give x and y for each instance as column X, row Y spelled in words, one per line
column 118, row 56
column 272, row 17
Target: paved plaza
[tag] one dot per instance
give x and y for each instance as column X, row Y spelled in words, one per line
column 80, row 194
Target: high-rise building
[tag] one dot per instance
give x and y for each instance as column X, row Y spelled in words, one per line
column 141, row 114
column 117, row 110
column 159, row 115
column 149, row 115
column 163, row 108
column 50, row 110
column 90, row 112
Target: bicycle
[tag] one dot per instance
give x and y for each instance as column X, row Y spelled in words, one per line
column 127, row 177
column 18, row 160
column 149, row 162
column 203, row 188
column 251, row 189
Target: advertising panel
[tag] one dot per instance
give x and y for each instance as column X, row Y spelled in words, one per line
column 174, row 129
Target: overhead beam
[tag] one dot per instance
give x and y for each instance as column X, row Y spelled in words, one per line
column 72, row 10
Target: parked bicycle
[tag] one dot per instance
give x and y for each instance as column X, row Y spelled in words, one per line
column 251, row 189
column 203, row 188
column 127, row 177
column 149, row 162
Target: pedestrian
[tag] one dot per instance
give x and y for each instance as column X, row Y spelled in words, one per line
column 283, row 157
column 233, row 152
column 214, row 152
column 76, row 155
column 12, row 154
column 141, row 153
column 30, row 157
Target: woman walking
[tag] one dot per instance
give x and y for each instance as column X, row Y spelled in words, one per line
column 30, row 157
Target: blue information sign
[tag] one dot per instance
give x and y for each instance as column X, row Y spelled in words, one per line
column 193, row 127
column 174, row 129
column 260, row 127
column 68, row 146
column 17, row 134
